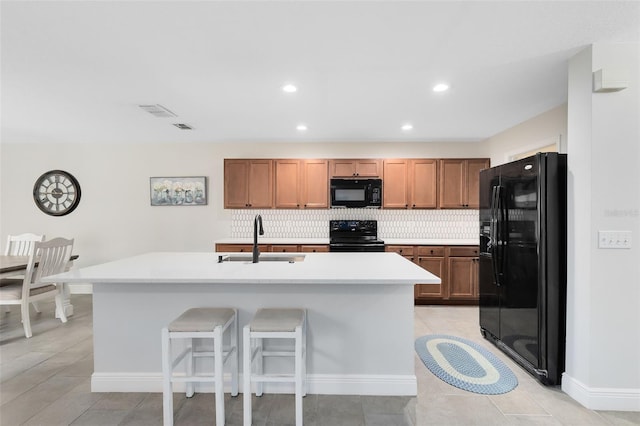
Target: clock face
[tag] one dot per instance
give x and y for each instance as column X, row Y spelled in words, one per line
column 56, row 193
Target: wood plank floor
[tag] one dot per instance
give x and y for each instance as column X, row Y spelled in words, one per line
column 45, row 380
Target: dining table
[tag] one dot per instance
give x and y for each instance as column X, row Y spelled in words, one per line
column 13, row 266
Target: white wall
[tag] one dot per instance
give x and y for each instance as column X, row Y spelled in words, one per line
column 544, row 129
column 114, row 218
column 603, row 330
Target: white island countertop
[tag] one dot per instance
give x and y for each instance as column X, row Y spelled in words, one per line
column 387, row 241
column 317, row 268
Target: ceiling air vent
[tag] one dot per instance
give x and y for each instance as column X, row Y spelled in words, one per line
column 157, row 110
column 183, row 126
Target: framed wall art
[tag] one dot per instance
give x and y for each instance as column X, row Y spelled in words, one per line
column 178, row 191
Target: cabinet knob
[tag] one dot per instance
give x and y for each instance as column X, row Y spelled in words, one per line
column 414, row 206
column 297, row 205
column 314, row 250
column 431, row 251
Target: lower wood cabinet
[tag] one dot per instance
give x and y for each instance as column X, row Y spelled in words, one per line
column 457, row 267
column 462, row 263
column 281, row 248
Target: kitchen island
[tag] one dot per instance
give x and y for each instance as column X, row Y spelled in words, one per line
column 360, row 314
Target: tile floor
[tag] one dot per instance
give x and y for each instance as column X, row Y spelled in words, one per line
column 44, row 381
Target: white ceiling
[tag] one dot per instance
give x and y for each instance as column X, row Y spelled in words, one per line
column 76, row 71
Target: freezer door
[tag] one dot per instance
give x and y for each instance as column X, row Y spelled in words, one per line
column 520, row 325
column 489, row 300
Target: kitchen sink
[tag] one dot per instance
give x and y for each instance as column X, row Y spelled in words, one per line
column 264, row 257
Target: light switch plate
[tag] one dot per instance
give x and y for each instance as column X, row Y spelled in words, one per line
column 614, row 239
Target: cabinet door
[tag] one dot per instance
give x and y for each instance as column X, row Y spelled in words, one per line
column 355, row 168
column 423, row 183
column 395, row 186
column 287, row 184
column 342, row 168
column 473, row 181
column 452, row 183
column 236, row 184
column 462, row 276
column 315, row 184
column 260, row 184
column 435, row 265
column 368, row 168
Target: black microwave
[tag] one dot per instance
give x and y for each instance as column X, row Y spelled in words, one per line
column 356, row 193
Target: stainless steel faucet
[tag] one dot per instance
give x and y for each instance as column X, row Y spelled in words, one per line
column 256, row 252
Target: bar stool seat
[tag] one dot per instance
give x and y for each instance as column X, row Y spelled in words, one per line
column 274, row 324
column 200, row 323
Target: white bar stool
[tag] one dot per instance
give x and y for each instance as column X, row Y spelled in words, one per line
column 274, row 324
column 200, row 323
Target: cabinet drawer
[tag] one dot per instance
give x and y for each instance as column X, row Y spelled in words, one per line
column 239, row 248
column 436, row 251
column 315, row 249
column 403, row 250
column 285, row 248
column 464, row 251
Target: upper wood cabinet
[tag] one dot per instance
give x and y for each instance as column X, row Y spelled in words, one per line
column 301, row 184
column 315, row 184
column 410, row 183
column 460, row 182
column 248, row 183
column 288, row 184
column 355, row 168
column 395, row 189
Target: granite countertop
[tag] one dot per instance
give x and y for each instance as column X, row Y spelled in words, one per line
column 203, row 268
column 388, row 241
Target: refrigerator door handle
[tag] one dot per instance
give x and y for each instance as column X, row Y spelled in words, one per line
column 500, row 237
column 493, row 234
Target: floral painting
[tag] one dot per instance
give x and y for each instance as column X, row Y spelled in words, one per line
column 179, row 191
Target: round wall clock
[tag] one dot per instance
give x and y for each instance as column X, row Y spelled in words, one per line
column 56, row 193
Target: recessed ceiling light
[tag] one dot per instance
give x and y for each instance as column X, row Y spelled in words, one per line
column 407, row 126
column 441, row 87
column 301, row 127
column 289, row 88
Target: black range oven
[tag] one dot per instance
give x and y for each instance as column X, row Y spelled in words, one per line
column 354, row 236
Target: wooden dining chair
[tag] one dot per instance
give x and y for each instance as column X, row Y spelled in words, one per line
column 52, row 258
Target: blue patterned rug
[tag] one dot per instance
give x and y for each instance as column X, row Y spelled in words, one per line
column 465, row 364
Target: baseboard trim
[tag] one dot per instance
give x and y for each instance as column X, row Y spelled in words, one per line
column 609, row 399
column 322, row 384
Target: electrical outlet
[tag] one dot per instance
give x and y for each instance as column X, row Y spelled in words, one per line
column 614, row 239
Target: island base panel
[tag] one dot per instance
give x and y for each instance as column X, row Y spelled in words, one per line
column 360, row 337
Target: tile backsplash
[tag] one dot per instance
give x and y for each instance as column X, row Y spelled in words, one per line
column 446, row 224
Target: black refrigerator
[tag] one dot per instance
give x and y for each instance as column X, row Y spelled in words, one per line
column 522, row 264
